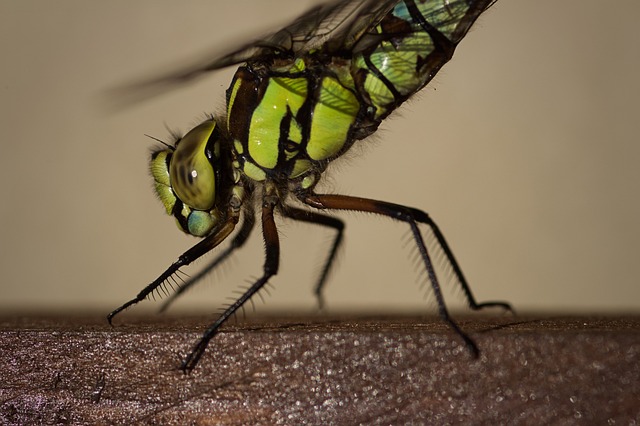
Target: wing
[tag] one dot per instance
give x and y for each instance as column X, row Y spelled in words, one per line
column 334, row 26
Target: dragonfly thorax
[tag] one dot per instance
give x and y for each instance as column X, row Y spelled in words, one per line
column 291, row 123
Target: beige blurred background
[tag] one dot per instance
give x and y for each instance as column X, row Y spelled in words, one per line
column 524, row 150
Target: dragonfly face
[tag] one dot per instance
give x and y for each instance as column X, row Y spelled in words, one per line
column 189, row 177
column 302, row 98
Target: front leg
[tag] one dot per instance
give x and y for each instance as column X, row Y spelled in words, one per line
column 238, row 241
column 203, row 247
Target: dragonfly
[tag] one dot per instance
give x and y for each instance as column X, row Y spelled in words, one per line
column 301, row 98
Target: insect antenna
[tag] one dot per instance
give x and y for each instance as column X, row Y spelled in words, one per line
column 159, row 140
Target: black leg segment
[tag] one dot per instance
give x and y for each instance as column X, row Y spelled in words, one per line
column 324, row 220
column 185, row 259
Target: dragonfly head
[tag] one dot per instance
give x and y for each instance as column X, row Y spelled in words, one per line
column 187, row 179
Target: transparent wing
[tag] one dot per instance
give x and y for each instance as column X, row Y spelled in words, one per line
column 333, row 26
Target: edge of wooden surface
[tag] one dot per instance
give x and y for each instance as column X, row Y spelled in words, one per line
column 314, row 370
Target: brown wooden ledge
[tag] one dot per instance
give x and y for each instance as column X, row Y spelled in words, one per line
column 390, row 370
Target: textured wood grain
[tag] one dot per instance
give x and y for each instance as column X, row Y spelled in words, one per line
column 394, row 370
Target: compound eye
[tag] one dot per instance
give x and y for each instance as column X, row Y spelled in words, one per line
column 192, row 176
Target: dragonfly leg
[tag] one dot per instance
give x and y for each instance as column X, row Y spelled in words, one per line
column 248, row 222
column 412, row 217
column 423, row 217
column 272, row 260
column 390, row 210
column 324, row 220
column 186, row 258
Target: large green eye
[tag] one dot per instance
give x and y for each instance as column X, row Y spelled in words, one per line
column 191, row 173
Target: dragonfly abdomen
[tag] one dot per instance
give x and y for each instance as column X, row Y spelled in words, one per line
column 415, row 40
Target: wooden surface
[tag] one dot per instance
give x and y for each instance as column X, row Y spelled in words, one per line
column 320, row 371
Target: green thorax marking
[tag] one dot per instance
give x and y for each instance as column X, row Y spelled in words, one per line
column 289, row 121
